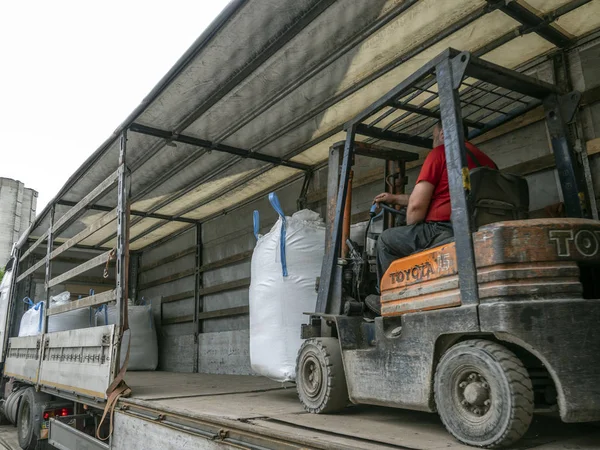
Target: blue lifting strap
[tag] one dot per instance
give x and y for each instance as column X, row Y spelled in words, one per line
column 256, row 223
column 277, row 207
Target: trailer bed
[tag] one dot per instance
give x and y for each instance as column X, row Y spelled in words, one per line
column 247, row 410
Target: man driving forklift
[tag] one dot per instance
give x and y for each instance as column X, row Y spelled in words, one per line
column 428, row 210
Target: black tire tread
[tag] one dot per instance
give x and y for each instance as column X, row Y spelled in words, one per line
column 336, row 397
column 520, row 387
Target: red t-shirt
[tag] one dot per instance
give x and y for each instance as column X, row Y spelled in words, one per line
column 434, row 171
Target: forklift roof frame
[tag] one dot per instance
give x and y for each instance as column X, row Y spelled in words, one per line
column 452, row 72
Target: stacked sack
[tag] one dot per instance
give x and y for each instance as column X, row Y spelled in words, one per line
column 285, row 265
column 33, row 320
column 141, row 336
column 71, row 320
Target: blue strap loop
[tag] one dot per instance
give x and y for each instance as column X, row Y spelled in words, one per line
column 274, row 200
column 40, row 306
column 28, row 301
column 256, row 223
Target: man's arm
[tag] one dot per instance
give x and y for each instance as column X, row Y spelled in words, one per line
column 392, row 199
column 419, row 202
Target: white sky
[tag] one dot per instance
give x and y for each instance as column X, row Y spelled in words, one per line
column 72, row 71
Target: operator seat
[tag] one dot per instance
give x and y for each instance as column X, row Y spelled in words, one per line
column 497, row 196
column 494, row 197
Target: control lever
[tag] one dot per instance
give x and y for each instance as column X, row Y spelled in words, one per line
column 373, row 209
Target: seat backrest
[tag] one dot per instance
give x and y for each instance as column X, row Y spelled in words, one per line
column 497, row 196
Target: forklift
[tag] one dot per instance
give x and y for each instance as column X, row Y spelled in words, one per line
column 486, row 329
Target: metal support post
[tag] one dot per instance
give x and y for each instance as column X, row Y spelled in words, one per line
column 10, row 313
column 560, row 111
column 395, row 181
column 581, row 149
column 302, row 198
column 198, row 301
column 458, row 177
column 134, row 273
column 48, row 277
column 325, row 298
column 122, row 244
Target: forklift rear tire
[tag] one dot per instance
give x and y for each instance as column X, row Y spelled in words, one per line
column 320, row 377
column 483, row 394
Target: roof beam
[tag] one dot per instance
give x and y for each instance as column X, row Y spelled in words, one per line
column 133, row 213
column 538, row 24
column 150, row 131
column 432, row 114
column 392, row 136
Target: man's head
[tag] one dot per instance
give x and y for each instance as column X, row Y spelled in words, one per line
column 438, row 133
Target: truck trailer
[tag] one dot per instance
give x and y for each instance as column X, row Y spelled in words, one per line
column 161, row 214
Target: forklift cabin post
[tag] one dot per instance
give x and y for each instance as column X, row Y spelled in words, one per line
column 326, row 303
column 449, row 74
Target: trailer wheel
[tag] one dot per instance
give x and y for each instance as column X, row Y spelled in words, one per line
column 483, row 394
column 29, row 420
column 320, row 378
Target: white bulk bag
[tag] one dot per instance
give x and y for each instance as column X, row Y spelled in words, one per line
column 33, row 319
column 71, row 320
column 141, row 336
column 282, row 289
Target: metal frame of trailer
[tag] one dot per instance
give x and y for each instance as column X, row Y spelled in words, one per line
column 37, row 361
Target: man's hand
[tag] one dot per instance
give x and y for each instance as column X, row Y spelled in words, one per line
column 391, row 199
column 385, row 197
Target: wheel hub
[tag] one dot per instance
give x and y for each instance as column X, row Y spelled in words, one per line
column 25, row 419
column 311, row 376
column 474, row 393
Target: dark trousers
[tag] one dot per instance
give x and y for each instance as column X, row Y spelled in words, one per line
column 398, row 242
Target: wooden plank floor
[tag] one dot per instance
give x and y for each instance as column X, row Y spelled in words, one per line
column 272, row 406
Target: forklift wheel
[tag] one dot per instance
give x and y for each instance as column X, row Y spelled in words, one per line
column 320, row 378
column 483, row 394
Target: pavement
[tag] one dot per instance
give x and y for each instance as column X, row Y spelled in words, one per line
column 8, row 438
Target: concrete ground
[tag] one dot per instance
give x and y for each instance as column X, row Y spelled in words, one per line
column 8, row 438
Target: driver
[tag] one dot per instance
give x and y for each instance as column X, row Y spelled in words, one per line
column 428, row 210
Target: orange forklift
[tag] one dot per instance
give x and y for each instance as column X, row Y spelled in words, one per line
column 482, row 330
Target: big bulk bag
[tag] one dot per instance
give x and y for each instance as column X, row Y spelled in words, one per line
column 285, row 265
column 141, row 336
column 71, row 320
column 33, row 319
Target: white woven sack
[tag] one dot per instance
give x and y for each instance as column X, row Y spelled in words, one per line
column 278, row 302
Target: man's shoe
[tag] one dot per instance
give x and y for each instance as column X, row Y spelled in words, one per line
column 373, row 302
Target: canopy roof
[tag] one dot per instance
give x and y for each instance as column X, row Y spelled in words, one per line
column 260, row 97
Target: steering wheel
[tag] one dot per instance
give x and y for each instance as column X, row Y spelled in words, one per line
column 373, row 210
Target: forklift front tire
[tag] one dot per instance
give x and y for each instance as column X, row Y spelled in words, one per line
column 320, row 377
column 483, row 394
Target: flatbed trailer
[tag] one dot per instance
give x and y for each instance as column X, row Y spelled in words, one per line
column 205, row 411
column 162, row 212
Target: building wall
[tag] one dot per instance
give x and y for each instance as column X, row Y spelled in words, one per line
column 17, row 211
